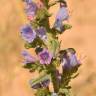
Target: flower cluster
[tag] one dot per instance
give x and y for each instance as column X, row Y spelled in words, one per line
column 49, row 57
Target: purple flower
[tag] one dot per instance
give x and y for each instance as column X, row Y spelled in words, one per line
column 45, row 57
column 73, row 60
column 45, row 83
column 70, row 60
column 36, row 86
column 65, row 62
column 27, row 33
column 41, row 32
column 31, row 9
column 28, row 58
column 62, row 14
column 58, row 25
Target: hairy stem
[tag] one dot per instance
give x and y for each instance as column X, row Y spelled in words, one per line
column 54, row 80
column 51, row 68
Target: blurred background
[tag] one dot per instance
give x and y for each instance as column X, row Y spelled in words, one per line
column 14, row 79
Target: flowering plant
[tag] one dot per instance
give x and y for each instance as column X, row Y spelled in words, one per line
column 38, row 34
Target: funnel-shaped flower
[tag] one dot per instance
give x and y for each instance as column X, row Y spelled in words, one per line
column 70, row 60
column 73, row 60
column 27, row 33
column 31, row 9
column 66, row 63
column 41, row 32
column 28, row 58
column 62, row 14
column 45, row 57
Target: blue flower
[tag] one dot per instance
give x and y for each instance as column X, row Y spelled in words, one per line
column 73, row 60
column 31, row 9
column 41, row 32
column 28, row 58
column 62, row 14
column 45, row 57
column 70, row 60
column 27, row 33
column 66, row 63
column 58, row 25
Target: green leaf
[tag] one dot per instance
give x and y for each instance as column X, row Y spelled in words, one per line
column 67, row 26
column 52, row 4
column 56, row 62
column 29, row 45
column 42, row 14
column 64, row 92
column 46, row 3
column 34, row 24
column 31, row 66
column 43, row 92
column 75, row 76
column 74, row 69
column 28, row 66
column 64, row 27
column 54, row 46
column 40, row 79
column 41, row 68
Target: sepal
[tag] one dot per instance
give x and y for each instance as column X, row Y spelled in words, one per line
column 43, row 92
column 64, row 92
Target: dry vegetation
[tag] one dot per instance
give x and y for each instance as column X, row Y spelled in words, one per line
column 14, row 79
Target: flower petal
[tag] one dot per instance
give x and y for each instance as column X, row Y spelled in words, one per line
column 28, row 58
column 27, row 33
column 45, row 57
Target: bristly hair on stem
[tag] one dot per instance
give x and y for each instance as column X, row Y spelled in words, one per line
column 49, row 57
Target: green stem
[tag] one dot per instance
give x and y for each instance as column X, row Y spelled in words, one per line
column 52, row 70
column 46, row 23
column 45, row 2
column 65, row 79
column 55, row 81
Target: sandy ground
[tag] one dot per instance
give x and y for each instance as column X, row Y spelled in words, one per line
column 82, row 37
